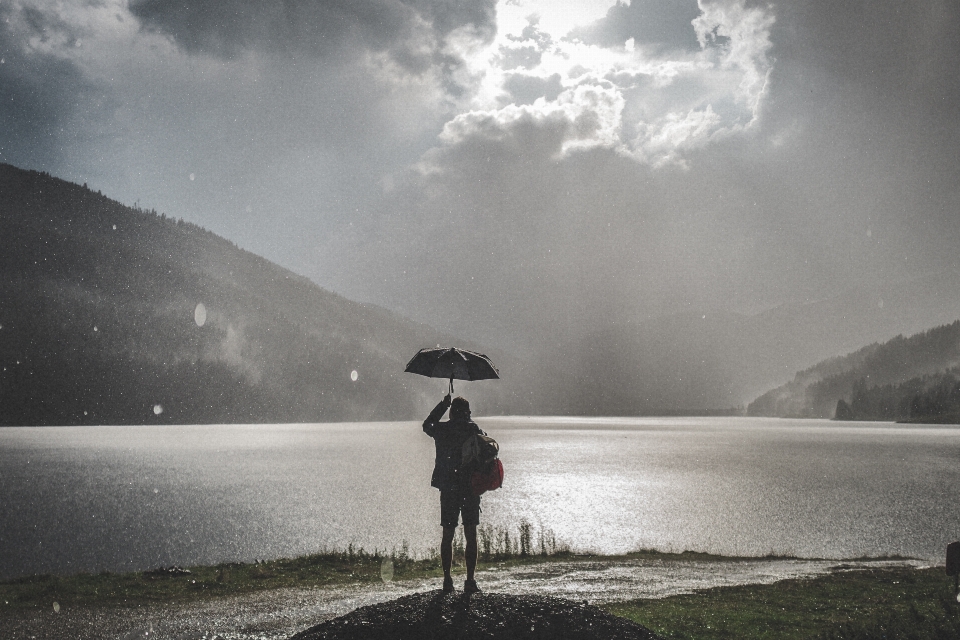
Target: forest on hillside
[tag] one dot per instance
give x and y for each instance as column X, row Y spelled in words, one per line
column 906, row 378
column 930, row 398
column 99, row 324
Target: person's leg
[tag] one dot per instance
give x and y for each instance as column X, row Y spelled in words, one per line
column 471, row 519
column 446, row 550
column 449, row 515
column 470, row 533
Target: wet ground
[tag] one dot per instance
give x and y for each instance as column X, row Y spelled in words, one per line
column 433, row 615
column 279, row 614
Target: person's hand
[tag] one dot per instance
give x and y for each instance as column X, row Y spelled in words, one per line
column 446, row 399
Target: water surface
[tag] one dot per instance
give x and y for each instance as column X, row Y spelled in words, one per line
column 126, row 498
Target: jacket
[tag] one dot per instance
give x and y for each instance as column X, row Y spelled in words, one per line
column 448, row 437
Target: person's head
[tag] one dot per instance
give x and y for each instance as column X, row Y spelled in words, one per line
column 459, row 409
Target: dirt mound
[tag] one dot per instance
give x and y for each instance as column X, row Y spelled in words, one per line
column 433, row 615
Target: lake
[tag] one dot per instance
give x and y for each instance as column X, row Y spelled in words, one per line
column 129, row 498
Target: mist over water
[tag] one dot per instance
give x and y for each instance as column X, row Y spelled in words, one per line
column 129, row 498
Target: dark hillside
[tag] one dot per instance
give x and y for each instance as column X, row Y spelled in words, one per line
column 97, row 324
column 885, row 377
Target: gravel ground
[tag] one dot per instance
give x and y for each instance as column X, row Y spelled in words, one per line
column 433, row 615
column 281, row 613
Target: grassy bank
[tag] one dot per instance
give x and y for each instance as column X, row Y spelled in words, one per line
column 497, row 546
column 851, row 605
column 353, row 566
column 914, row 604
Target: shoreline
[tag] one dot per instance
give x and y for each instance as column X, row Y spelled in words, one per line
column 351, row 567
column 622, row 584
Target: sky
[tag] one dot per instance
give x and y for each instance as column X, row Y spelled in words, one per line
column 515, row 171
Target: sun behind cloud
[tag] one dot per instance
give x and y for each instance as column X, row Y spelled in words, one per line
column 647, row 100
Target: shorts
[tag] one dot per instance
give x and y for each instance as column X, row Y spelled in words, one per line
column 453, row 502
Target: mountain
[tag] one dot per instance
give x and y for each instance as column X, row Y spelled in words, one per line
column 115, row 315
column 879, row 381
column 98, row 324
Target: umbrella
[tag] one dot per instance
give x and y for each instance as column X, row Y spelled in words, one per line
column 450, row 363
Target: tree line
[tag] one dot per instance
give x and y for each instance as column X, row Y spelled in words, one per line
column 929, row 398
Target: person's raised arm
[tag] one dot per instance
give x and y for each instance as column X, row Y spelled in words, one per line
column 430, row 424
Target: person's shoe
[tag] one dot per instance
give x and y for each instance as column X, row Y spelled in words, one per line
column 470, row 586
column 448, row 585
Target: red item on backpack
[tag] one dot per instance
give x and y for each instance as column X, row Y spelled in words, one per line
column 487, row 478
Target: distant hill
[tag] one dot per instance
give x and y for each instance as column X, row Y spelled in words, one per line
column 712, row 361
column 898, row 379
column 99, row 324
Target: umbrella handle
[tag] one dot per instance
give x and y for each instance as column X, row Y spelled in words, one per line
column 451, row 386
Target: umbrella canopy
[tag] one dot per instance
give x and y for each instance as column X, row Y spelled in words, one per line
column 452, row 364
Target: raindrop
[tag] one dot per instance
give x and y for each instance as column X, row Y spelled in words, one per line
column 200, row 315
column 84, row 413
column 386, row 570
column 114, row 227
column 2, row 61
column 192, row 177
column 155, row 490
column 157, row 409
column 354, row 375
column 79, row 42
column 56, row 607
column 94, row 327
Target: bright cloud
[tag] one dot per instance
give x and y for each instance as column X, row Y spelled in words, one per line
column 589, row 115
column 648, row 103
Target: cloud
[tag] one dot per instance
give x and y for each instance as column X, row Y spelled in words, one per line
column 522, row 88
column 524, row 50
column 43, row 88
column 585, row 115
column 648, row 22
column 649, row 104
column 411, row 32
column 666, row 141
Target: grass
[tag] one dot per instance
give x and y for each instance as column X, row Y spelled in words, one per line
column 230, row 578
column 851, row 605
column 497, row 546
column 903, row 603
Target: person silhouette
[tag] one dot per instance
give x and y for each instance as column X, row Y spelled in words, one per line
column 456, row 498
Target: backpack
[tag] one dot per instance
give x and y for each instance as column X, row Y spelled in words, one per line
column 481, row 464
column 487, row 478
